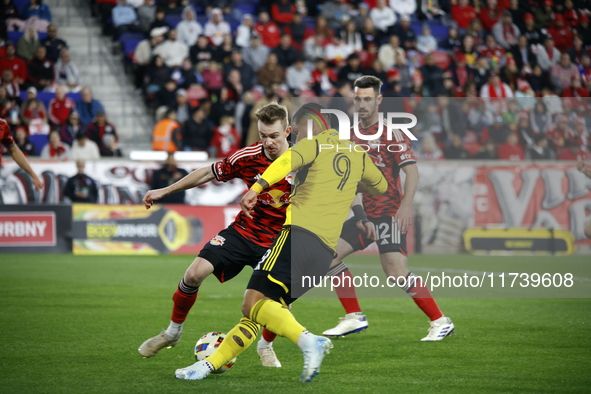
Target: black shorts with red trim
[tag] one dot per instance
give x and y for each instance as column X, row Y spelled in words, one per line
column 389, row 238
column 229, row 252
column 288, row 269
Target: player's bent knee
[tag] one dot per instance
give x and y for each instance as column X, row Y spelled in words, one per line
column 198, row 271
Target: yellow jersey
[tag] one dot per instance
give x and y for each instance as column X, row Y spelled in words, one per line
column 328, row 173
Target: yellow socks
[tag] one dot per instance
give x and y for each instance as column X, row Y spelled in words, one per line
column 276, row 318
column 237, row 340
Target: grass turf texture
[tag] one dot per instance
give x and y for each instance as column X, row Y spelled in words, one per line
column 73, row 324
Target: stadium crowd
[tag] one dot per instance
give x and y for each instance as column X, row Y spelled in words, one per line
column 499, row 79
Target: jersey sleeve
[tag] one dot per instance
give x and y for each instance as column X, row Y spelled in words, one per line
column 296, row 157
column 5, row 136
column 227, row 169
column 373, row 178
column 406, row 155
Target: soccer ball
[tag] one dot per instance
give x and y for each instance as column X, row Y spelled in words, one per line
column 208, row 344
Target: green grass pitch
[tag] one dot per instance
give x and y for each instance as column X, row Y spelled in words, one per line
column 72, row 324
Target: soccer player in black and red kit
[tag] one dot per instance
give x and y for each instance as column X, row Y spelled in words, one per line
column 246, row 240
column 384, row 219
column 7, row 140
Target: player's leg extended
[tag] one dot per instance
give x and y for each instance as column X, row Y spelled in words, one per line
column 183, row 298
column 395, row 267
column 354, row 320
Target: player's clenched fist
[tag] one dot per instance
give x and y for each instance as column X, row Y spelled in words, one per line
column 248, row 202
column 153, row 195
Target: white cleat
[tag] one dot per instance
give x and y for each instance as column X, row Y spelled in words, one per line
column 153, row 345
column 268, row 357
column 197, row 371
column 439, row 329
column 351, row 323
column 315, row 348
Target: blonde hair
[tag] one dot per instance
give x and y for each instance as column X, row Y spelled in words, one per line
column 271, row 113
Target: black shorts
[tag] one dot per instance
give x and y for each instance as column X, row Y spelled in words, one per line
column 389, row 237
column 229, row 252
column 288, row 269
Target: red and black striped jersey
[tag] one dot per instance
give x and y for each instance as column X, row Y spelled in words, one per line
column 5, row 136
column 268, row 216
column 389, row 155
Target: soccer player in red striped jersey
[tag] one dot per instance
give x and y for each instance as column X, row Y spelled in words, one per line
column 17, row 155
column 384, row 219
column 246, row 240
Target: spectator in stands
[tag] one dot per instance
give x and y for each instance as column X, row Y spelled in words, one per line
column 499, row 131
column 164, row 97
column 244, row 31
column 387, row 52
column 505, row 31
column 298, row 77
column 534, row 35
column 72, row 127
column 268, row 31
column 575, row 89
column 571, row 152
column 456, row 151
column 383, row 17
column 222, row 107
column 146, row 15
column 540, row 150
column 10, row 85
column 81, row 187
column 538, row 79
column 314, row 48
column 9, row 110
column 460, row 72
column 247, row 74
column 157, row 74
column 226, row 6
column 431, row 9
column 27, row 44
column 489, row 15
column 429, row 149
column 352, row 70
column 87, row 107
column 235, row 86
column 159, row 20
column 468, row 49
column 35, row 117
column 510, row 149
column 337, row 52
column 181, row 106
column 197, row 132
column 462, row 13
column 60, row 107
column 225, row 141
column 224, row 52
column 432, row 75
column 256, row 54
column 167, row 135
column 15, row 64
column 452, row 43
column 369, row 34
column 174, row 7
column 562, row 34
column 187, row 77
column 40, row 70
column 53, row 44
column 66, row 72
column 494, row 88
column 493, row 52
column 282, row 12
column 216, row 27
column 143, row 54
column 36, row 8
column 336, row 13
column 10, row 13
column 323, row 78
column 321, row 27
column 583, row 29
column 298, row 32
column 84, row 149
column 213, row 78
column 124, row 18
column 377, row 70
column 426, row 43
column 166, row 176
column 361, row 15
column 524, row 131
column 510, row 73
column 407, row 36
column 103, row 133
column 22, row 141
column 55, row 149
column 351, row 37
column 523, row 55
column 202, row 51
column 173, row 52
column 577, row 50
column 540, row 119
column 487, row 152
column 563, row 73
column 188, row 29
column 271, row 72
column 286, row 53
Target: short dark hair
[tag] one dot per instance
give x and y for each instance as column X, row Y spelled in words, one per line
column 368, row 81
column 309, row 109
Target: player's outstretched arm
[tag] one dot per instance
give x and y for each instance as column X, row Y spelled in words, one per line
column 21, row 160
column 373, row 179
column 195, row 178
column 404, row 214
column 584, row 168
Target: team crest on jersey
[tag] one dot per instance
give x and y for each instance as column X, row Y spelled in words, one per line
column 218, row 240
column 274, row 197
column 290, row 177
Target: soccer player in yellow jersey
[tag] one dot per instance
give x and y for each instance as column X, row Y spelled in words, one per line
column 328, row 173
